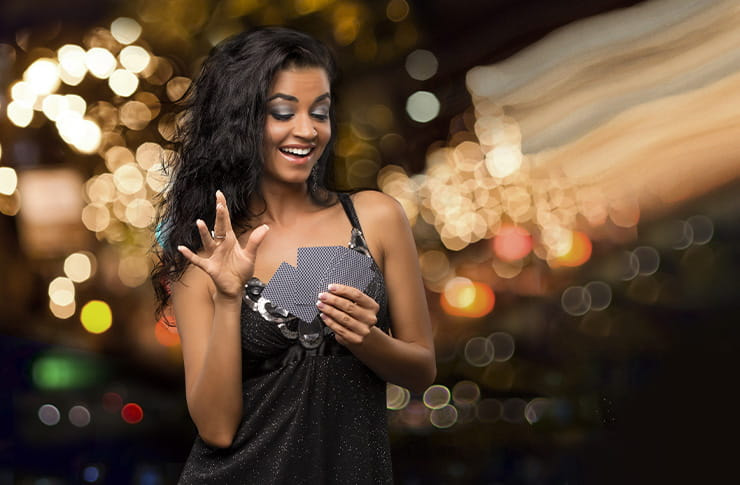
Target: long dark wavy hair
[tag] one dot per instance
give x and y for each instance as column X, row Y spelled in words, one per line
column 218, row 142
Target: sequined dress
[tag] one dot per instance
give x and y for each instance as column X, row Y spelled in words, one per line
column 313, row 412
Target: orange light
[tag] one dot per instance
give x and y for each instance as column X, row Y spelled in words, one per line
column 166, row 334
column 512, row 243
column 132, row 413
column 579, row 253
column 481, row 303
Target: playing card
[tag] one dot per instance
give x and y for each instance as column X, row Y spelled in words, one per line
column 296, row 289
column 313, row 265
column 352, row 268
column 279, row 290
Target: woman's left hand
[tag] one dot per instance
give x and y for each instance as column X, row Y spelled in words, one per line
column 349, row 312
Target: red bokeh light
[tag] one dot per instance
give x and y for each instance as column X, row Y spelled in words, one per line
column 512, row 243
column 112, row 402
column 132, row 413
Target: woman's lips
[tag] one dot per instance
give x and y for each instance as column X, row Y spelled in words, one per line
column 297, row 157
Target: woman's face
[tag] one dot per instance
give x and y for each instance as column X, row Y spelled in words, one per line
column 297, row 126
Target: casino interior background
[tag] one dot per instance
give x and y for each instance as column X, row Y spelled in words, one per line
column 570, row 170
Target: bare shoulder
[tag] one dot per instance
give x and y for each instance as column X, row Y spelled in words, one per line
column 376, row 206
column 383, row 221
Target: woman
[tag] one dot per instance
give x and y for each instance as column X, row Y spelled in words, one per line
column 277, row 399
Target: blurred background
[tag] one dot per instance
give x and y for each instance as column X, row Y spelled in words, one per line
column 570, row 170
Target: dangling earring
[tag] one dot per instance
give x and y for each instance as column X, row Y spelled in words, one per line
column 313, row 179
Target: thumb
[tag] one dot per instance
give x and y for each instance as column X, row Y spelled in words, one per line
column 255, row 239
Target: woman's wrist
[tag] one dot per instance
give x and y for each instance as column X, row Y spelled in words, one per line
column 220, row 297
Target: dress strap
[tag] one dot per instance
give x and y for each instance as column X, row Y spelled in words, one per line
column 349, row 208
column 357, row 239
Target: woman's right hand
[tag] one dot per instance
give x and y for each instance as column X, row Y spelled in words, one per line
column 224, row 259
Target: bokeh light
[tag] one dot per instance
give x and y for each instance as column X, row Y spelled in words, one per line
column 421, row 64
column 132, row 413
column 436, row 396
column 576, row 300
column 422, row 106
column 512, row 243
column 79, row 416
column 79, row 266
column 465, row 298
column 479, row 351
column 443, row 417
column 96, row 316
column 8, row 180
column 125, row 30
column 397, row 397
column 61, row 291
column 49, row 414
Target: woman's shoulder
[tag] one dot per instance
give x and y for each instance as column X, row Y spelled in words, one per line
column 379, row 213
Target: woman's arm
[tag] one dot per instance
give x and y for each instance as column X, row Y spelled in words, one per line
column 407, row 357
column 207, row 303
column 210, row 334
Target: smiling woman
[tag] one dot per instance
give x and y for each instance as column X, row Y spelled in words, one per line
column 297, row 128
column 285, row 380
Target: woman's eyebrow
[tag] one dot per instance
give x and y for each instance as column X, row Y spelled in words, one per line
column 288, row 97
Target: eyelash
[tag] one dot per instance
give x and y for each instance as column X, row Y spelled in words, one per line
column 281, row 117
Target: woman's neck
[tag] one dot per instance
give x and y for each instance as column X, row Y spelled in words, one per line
column 284, row 203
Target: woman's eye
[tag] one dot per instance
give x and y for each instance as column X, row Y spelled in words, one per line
column 321, row 116
column 281, row 116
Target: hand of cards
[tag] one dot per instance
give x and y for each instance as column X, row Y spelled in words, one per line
column 296, row 289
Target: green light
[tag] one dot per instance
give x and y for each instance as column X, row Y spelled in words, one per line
column 55, row 370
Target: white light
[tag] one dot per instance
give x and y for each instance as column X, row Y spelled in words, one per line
column 8, row 180
column 43, row 76
column 53, row 105
column 23, row 94
column 87, row 138
column 19, row 114
column 72, row 60
column 62, row 291
column 125, row 30
column 422, row 106
column 123, row 82
column 134, row 58
column 504, row 160
column 100, row 62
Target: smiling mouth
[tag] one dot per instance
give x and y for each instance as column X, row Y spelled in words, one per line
column 297, row 152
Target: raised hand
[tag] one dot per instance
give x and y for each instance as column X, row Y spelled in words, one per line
column 227, row 262
column 349, row 312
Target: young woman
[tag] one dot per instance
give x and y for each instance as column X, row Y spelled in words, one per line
column 277, row 399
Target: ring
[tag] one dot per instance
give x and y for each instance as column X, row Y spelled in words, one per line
column 220, row 236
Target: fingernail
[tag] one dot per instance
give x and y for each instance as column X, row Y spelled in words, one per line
column 319, row 304
column 322, row 296
column 333, row 287
column 265, row 225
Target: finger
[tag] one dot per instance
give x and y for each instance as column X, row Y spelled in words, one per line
column 355, row 295
column 254, row 241
column 222, row 226
column 348, row 322
column 192, row 257
column 205, row 236
column 341, row 333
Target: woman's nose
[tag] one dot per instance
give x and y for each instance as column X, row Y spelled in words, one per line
column 304, row 128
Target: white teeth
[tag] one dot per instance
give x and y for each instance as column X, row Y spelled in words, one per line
column 301, row 152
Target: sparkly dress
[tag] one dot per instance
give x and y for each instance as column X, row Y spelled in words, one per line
column 313, row 412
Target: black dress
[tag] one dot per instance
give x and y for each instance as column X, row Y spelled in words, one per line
column 313, row 412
